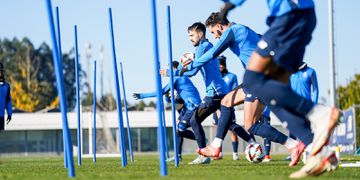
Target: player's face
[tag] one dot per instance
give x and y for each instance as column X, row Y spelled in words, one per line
column 194, row 37
column 216, row 30
column 222, row 68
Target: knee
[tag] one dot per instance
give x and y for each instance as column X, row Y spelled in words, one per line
column 226, row 101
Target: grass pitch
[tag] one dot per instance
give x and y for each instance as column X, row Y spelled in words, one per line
column 147, row 167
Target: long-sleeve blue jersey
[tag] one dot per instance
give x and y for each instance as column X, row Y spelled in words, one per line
column 185, row 89
column 304, row 82
column 280, row 7
column 5, row 100
column 240, row 39
column 230, row 80
column 215, row 85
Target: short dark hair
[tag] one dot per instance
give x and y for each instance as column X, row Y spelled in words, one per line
column 214, row 19
column 222, row 60
column 175, row 64
column 198, row 27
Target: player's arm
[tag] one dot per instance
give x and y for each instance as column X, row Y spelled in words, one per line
column 315, row 87
column 225, row 40
column 151, row 94
column 8, row 106
column 229, row 5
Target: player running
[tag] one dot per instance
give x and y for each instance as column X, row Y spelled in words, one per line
column 242, row 41
column 278, row 54
column 190, row 96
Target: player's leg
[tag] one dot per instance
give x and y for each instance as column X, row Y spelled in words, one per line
column 234, row 97
column 267, row 142
column 2, row 124
column 235, row 145
column 284, row 44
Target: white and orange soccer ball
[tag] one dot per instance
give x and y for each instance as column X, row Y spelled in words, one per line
column 255, row 152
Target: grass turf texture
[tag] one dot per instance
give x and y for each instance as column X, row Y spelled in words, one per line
column 147, row 167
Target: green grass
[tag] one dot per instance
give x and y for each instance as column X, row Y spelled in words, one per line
column 146, row 167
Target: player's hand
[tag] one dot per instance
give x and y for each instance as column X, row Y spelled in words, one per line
column 225, row 10
column 8, row 120
column 163, row 72
column 183, row 70
column 136, row 96
column 189, row 55
column 185, row 62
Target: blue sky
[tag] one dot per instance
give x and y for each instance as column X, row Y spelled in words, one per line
column 133, row 34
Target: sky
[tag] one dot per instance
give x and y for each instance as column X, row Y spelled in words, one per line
column 134, row 40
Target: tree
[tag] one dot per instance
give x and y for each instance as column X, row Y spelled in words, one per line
column 140, row 105
column 108, row 102
column 349, row 96
column 30, row 73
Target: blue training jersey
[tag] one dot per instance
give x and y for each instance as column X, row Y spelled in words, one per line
column 240, row 39
column 215, row 85
column 230, row 80
column 185, row 89
column 280, row 7
column 5, row 100
column 304, row 82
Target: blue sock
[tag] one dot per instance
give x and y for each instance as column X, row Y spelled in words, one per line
column 240, row 131
column 292, row 135
column 188, row 134
column 277, row 93
column 266, row 131
column 267, row 142
column 298, row 126
column 195, row 123
column 235, row 145
column 224, row 121
column 180, row 140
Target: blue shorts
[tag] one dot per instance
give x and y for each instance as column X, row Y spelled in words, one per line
column 248, row 97
column 184, row 119
column 287, row 37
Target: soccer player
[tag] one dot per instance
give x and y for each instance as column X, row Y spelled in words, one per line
column 232, row 82
column 191, row 100
column 5, row 100
column 216, row 89
column 278, row 54
column 242, row 41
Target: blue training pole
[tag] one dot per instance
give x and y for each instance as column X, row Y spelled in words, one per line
column 61, row 91
column 176, row 151
column 77, row 95
column 94, row 110
column 60, row 59
column 126, row 112
column 122, row 145
column 161, row 143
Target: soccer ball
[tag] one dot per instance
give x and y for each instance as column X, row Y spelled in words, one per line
column 255, row 152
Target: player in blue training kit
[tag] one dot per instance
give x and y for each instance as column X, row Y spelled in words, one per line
column 190, row 96
column 216, row 89
column 241, row 40
column 278, row 54
column 5, row 100
column 232, row 82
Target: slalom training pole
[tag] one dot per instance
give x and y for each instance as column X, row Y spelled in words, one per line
column 176, row 151
column 60, row 59
column 61, row 91
column 122, row 145
column 94, row 114
column 126, row 112
column 77, row 95
column 161, row 143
